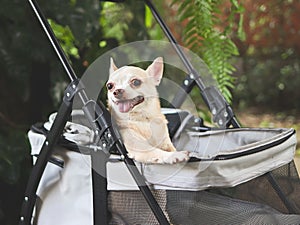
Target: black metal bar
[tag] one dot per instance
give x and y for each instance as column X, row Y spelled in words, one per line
column 186, row 87
column 193, row 78
column 174, row 43
column 51, row 36
column 29, row 201
column 55, row 44
column 99, row 184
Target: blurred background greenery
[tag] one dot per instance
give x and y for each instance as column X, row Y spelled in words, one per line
column 252, row 49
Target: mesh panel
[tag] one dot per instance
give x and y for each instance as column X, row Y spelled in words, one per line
column 208, row 208
column 130, row 207
column 255, row 202
column 261, row 190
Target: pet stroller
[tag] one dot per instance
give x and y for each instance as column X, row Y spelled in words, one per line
column 83, row 175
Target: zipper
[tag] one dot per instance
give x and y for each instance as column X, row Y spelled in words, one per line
column 245, row 153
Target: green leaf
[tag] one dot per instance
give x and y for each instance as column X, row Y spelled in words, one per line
column 201, row 35
column 148, row 17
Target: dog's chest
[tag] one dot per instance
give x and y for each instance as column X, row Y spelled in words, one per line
column 154, row 130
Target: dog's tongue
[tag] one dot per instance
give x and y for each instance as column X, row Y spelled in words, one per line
column 124, row 106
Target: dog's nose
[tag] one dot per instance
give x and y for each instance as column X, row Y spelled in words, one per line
column 118, row 93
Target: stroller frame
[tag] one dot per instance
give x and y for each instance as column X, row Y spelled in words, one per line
column 107, row 137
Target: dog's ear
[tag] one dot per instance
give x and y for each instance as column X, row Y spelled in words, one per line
column 112, row 67
column 155, row 70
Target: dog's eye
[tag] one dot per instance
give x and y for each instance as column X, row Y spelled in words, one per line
column 136, row 82
column 110, row 86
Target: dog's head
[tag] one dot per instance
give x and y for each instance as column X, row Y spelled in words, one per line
column 130, row 87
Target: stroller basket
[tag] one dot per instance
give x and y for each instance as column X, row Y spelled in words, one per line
column 221, row 158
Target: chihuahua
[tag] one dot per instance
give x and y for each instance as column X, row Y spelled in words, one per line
column 134, row 104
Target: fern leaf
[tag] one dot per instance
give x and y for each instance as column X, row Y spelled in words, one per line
column 202, row 37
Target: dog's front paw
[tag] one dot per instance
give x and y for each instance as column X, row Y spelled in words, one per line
column 177, row 157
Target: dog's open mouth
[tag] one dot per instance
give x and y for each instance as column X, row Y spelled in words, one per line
column 126, row 105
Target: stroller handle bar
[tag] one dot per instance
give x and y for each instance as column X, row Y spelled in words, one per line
column 224, row 116
column 222, row 112
column 51, row 36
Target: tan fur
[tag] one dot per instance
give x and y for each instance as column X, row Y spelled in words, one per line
column 142, row 127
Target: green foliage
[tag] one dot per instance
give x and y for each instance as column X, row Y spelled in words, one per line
column 113, row 21
column 65, row 35
column 127, row 22
column 207, row 34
